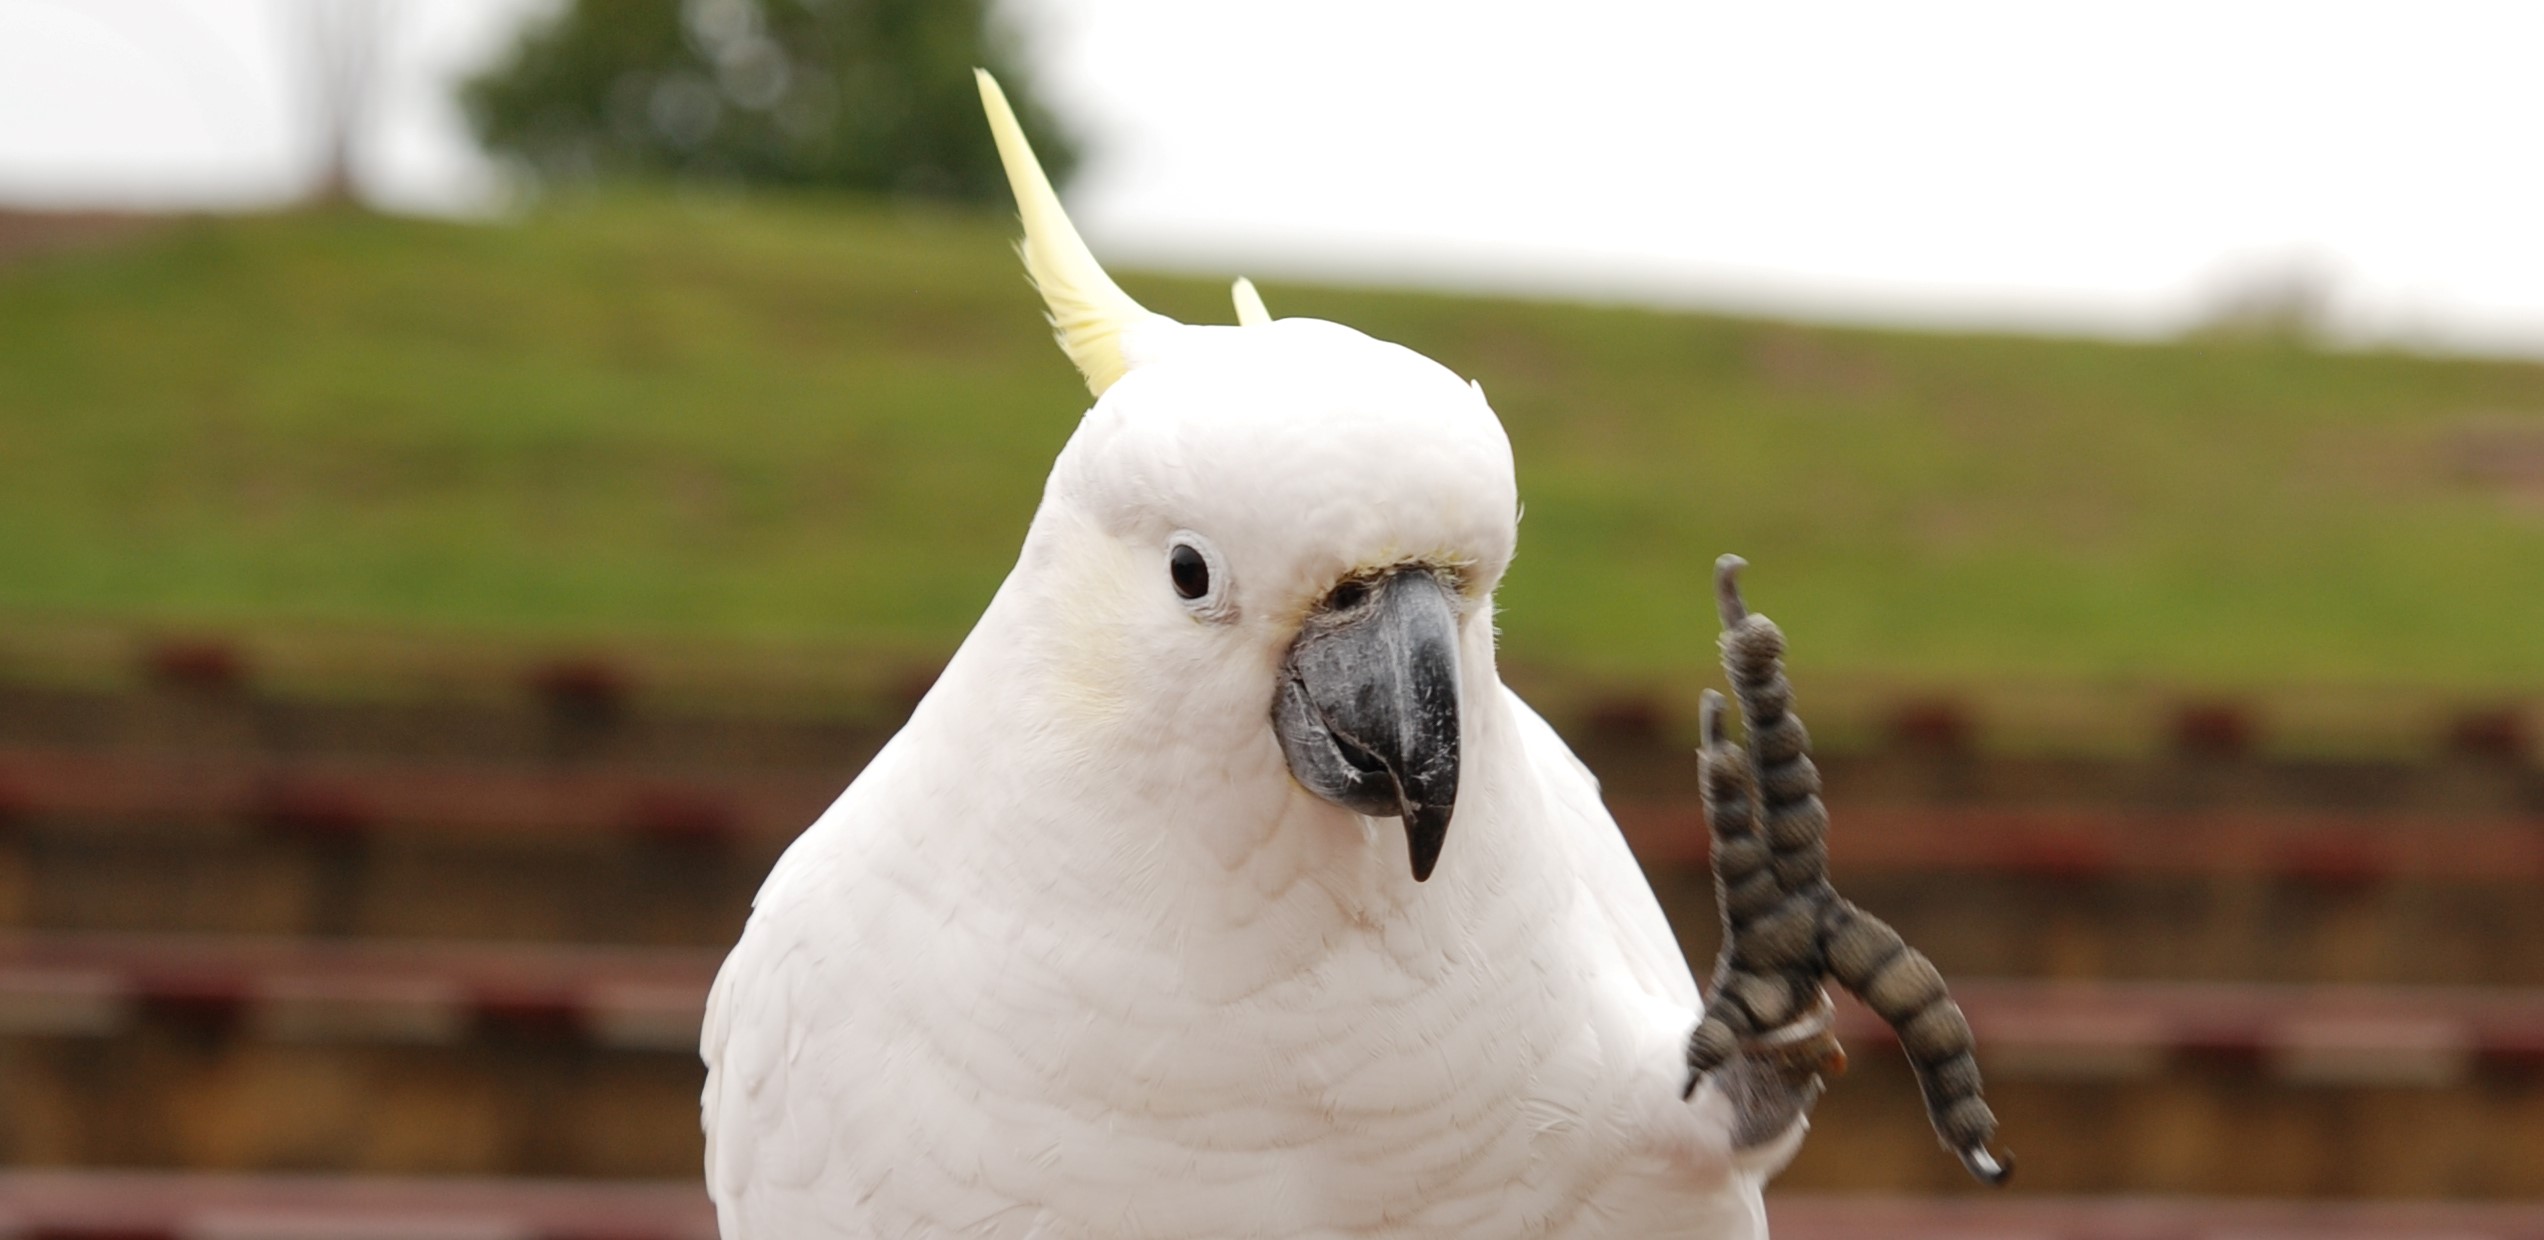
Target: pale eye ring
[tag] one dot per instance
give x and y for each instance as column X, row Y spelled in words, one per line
column 1197, row 575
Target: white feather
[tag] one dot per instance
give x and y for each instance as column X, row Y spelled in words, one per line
column 1075, row 957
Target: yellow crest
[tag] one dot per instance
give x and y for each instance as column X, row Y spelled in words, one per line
column 1089, row 313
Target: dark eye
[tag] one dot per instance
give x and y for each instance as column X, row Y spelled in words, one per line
column 1347, row 595
column 1191, row 572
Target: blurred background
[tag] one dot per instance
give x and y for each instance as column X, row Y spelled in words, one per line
column 477, row 476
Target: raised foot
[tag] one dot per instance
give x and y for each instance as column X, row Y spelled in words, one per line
column 1764, row 1033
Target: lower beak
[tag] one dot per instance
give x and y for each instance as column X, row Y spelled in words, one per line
column 1368, row 708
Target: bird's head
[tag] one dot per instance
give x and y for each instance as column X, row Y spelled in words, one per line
column 1276, row 534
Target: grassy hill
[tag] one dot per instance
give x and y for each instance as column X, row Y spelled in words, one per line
column 822, row 425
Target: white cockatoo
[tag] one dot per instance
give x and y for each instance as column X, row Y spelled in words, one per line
column 1117, row 938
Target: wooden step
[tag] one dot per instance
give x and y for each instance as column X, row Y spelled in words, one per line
column 353, row 796
column 311, row 990
column 2191, row 928
column 2018, row 1217
column 90, row 1205
column 2478, row 764
column 2072, row 843
column 305, row 990
column 133, row 1205
column 473, row 1059
column 405, row 849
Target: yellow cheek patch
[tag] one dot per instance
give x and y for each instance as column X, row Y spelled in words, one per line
column 1088, row 666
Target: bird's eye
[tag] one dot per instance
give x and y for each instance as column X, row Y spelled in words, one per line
column 1348, row 595
column 1190, row 571
column 1201, row 577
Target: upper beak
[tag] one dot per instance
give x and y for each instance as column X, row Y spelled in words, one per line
column 1368, row 708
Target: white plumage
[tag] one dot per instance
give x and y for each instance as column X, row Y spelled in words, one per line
column 1077, row 955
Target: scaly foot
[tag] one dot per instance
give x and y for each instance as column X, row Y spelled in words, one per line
column 1765, row 1028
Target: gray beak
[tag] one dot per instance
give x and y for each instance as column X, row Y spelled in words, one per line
column 1368, row 708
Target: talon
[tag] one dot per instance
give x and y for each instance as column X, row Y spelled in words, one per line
column 1987, row 1168
column 1777, row 1075
column 1804, row 1043
column 1727, row 590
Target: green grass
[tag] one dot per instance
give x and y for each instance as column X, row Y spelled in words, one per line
column 826, row 425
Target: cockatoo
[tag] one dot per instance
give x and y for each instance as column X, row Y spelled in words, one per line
column 1219, row 887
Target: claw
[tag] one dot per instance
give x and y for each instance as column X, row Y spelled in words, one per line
column 1808, row 1043
column 1987, row 1168
column 1709, row 719
column 1779, row 1074
column 1727, row 590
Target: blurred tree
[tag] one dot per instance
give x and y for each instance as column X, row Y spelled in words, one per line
column 2283, row 300
column 857, row 94
column 343, row 40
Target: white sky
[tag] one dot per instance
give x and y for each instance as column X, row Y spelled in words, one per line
column 2062, row 166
